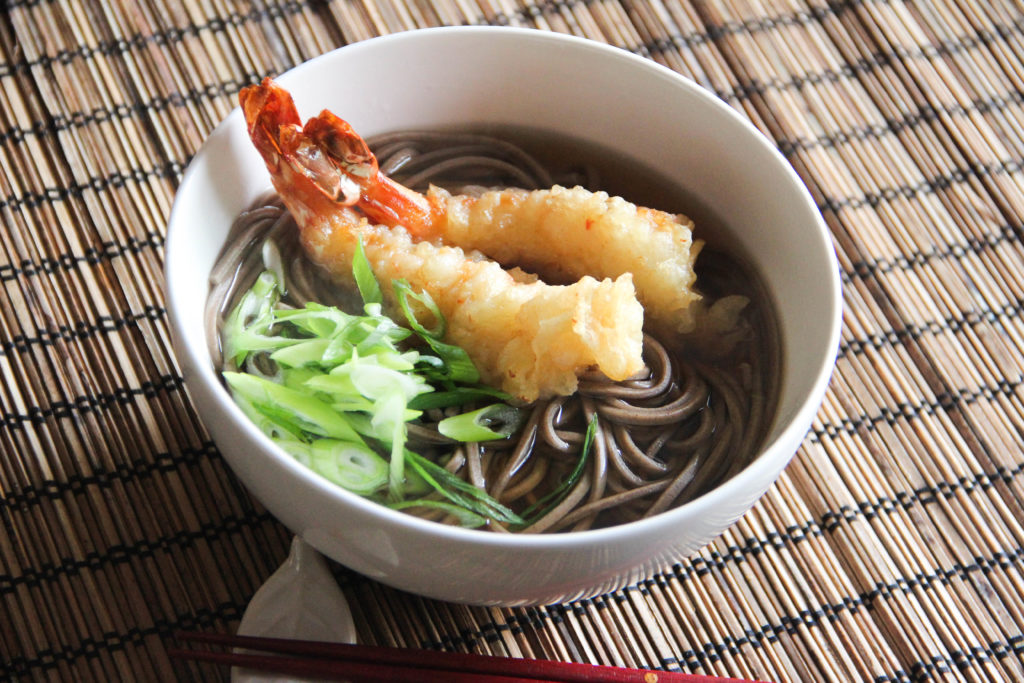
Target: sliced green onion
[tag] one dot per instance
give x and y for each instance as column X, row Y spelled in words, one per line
column 375, row 381
column 306, row 412
column 389, row 422
column 301, row 353
column 351, row 466
column 406, row 295
column 336, row 391
column 556, row 495
column 460, row 492
column 247, row 328
column 459, row 396
column 369, row 288
column 456, row 365
column 277, row 427
column 467, row 518
column 496, row 421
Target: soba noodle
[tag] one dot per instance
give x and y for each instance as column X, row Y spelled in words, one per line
column 664, row 437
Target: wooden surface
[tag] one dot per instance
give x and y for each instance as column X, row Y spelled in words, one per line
column 890, row 549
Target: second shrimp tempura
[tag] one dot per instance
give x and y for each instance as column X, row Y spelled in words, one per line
column 527, row 337
column 565, row 233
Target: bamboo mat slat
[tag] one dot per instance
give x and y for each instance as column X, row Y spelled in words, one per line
column 890, row 550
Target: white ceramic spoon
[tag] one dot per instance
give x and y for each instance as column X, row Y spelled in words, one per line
column 300, row 600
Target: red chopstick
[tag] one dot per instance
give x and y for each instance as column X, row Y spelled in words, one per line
column 367, row 663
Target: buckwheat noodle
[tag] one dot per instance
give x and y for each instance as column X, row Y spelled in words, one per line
column 667, row 435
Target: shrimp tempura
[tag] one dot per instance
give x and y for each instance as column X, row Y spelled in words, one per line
column 564, row 233
column 526, row 337
column 561, row 233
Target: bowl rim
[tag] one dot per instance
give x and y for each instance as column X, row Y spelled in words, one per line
column 771, row 458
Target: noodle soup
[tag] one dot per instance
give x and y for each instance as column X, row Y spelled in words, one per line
column 610, row 453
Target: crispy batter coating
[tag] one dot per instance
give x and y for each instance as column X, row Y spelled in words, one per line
column 563, row 234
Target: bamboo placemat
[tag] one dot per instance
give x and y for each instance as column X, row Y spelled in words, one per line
column 890, row 549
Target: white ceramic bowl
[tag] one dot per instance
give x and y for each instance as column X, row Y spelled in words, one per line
column 474, row 75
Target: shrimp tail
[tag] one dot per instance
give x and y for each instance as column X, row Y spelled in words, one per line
column 267, row 108
column 331, row 157
column 381, row 199
column 297, row 167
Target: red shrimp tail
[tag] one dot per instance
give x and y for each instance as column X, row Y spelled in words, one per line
column 383, row 200
column 328, row 156
column 268, row 108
